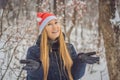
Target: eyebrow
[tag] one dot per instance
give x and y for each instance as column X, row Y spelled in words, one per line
column 55, row 21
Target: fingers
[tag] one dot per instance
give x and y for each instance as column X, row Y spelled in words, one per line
column 30, row 64
column 97, row 59
column 90, row 53
column 92, row 60
column 27, row 68
column 24, row 61
column 28, row 61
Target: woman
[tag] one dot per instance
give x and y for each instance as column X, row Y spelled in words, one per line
column 51, row 58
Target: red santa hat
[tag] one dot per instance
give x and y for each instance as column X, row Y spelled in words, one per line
column 43, row 18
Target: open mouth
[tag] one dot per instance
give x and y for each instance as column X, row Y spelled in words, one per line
column 55, row 32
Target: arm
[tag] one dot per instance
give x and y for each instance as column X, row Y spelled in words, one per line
column 33, row 64
column 78, row 67
column 80, row 60
column 89, row 57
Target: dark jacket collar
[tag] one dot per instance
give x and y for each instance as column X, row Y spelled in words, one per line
column 52, row 44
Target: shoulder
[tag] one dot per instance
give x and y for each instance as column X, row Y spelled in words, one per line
column 33, row 52
column 71, row 50
column 70, row 46
column 33, row 48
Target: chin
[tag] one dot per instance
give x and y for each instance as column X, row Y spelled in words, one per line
column 55, row 37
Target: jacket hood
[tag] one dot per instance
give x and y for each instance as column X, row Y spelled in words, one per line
column 52, row 44
column 50, row 41
column 38, row 40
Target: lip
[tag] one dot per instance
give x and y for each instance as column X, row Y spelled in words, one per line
column 55, row 32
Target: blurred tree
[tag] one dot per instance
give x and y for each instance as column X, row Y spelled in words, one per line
column 18, row 24
column 3, row 3
column 107, row 12
column 38, row 2
column 55, row 7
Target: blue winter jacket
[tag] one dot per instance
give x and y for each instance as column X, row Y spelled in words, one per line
column 56, row 69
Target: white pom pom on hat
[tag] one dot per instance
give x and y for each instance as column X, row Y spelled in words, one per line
column 39, row 19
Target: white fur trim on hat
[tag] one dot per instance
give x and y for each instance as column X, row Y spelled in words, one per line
column 44, row 23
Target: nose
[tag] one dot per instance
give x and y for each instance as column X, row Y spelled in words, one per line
column 54, row 26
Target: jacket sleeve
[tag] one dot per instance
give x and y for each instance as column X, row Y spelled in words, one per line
column 78, row 67
column 33, row 53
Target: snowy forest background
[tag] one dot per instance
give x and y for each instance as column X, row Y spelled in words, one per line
column 91, row 25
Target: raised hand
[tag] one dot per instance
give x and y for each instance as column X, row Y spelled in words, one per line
column 88, row 57
column 30, row 64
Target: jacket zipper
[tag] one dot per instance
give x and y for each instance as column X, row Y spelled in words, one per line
column 58, row 65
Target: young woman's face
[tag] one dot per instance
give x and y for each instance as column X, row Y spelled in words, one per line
column 53, row 29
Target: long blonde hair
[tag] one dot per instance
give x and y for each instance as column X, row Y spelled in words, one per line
column 44, row 57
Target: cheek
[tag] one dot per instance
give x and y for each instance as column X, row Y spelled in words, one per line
column 59, row 28
column 49, row 32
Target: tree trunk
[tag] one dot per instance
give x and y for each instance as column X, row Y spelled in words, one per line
column 55, row 7
column 112, row 55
